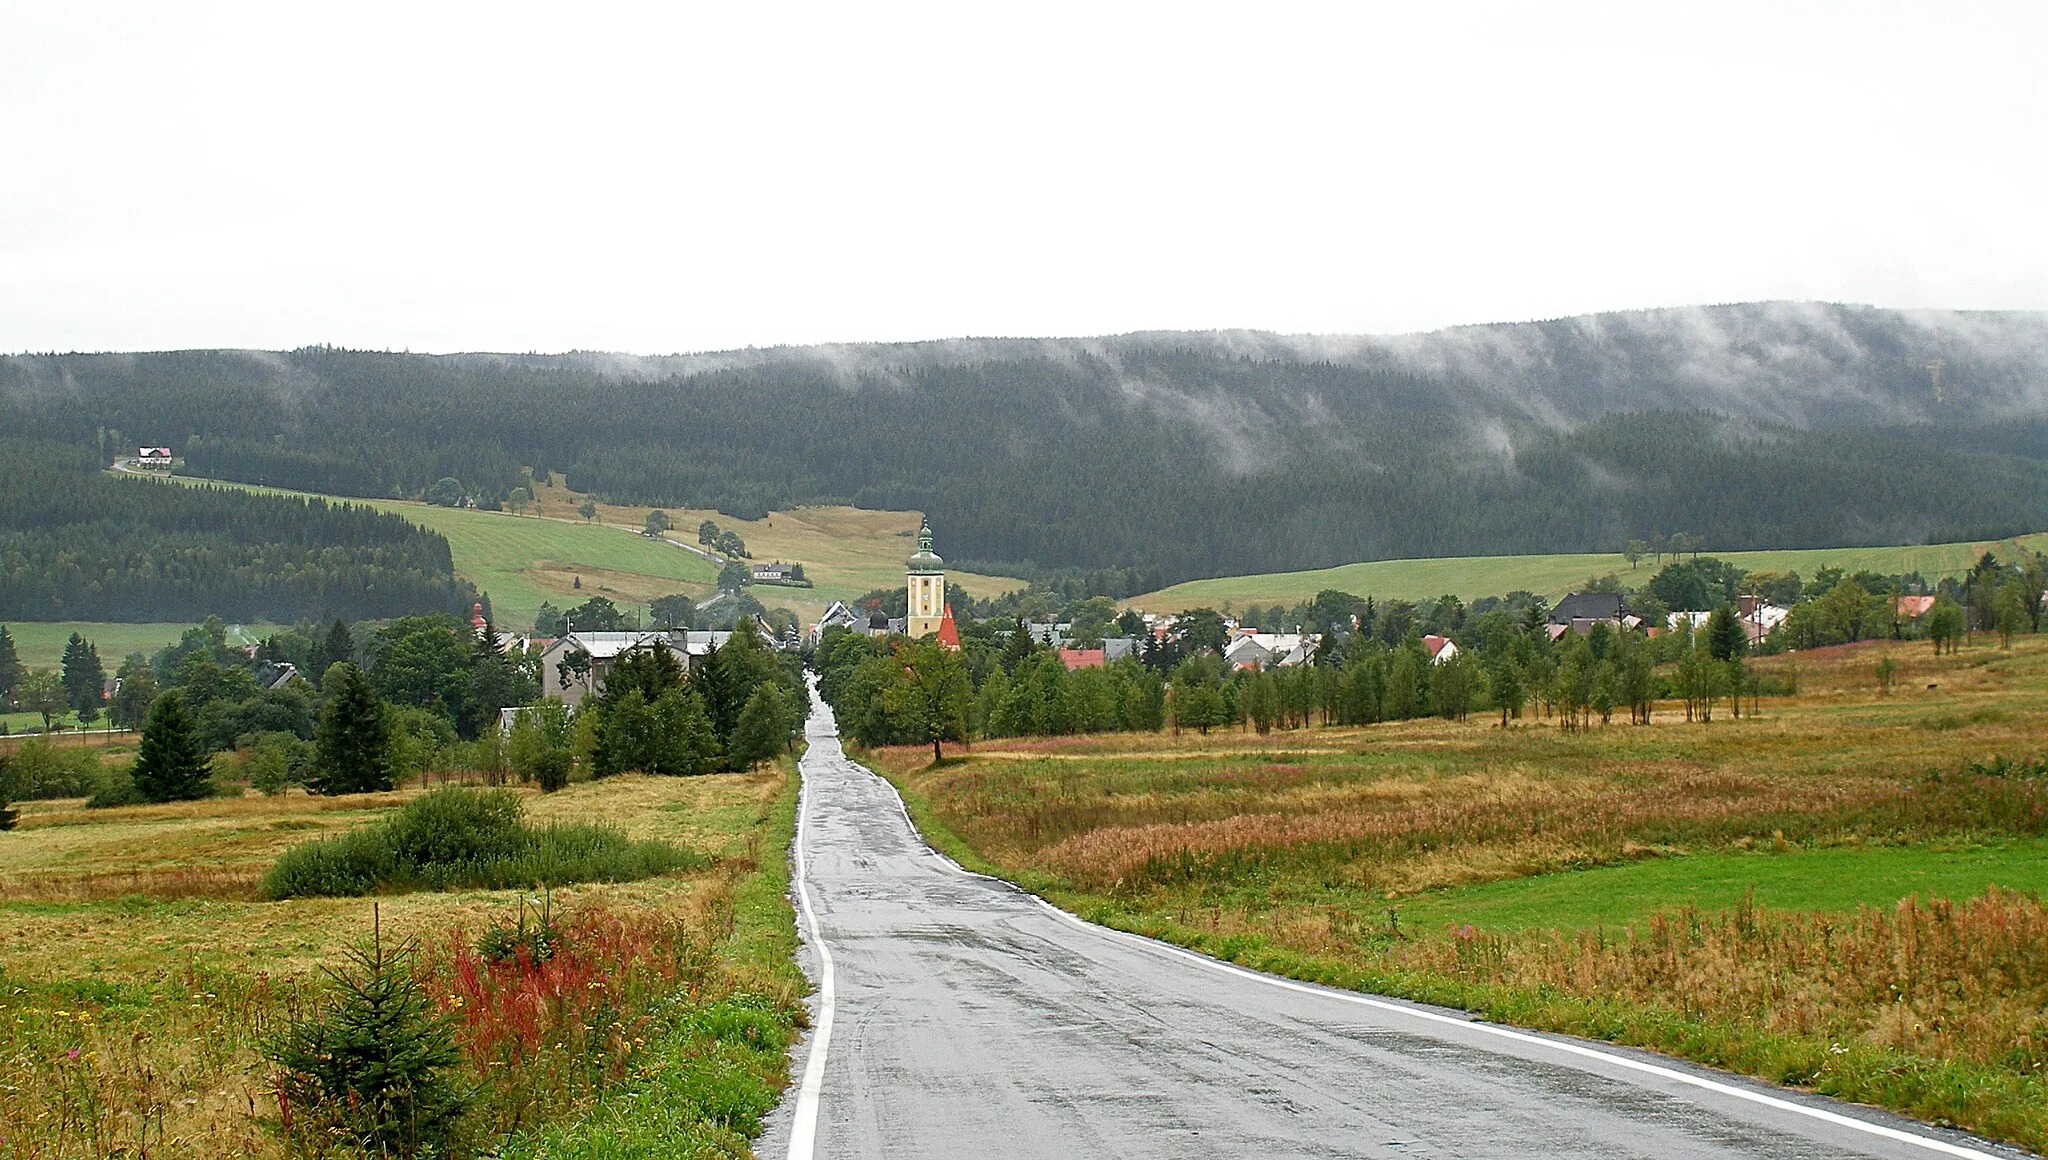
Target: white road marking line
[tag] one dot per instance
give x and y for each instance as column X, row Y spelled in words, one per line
column 803, row 1128
column 1495, row 1029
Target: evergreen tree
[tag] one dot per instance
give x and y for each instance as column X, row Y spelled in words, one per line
column 352, row 746
column 547, row 620
column 731, row 674
column 1725, row 638
column 685, row 743
column 84, row 677
column 10, row 667
column 1019, row 646
column 338, row 648
column 170, row 762
column 373, row 1064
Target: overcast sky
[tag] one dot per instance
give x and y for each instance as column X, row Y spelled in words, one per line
column 682, row 177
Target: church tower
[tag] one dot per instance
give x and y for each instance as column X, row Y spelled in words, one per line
column 927, row 586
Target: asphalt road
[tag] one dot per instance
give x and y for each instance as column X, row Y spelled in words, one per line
column 958, row 1017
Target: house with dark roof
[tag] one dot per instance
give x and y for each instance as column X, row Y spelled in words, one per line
column 1580, row 611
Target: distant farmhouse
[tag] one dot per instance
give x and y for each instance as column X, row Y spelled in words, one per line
column 152, row 457
column 1580, row 611
column 787, row 575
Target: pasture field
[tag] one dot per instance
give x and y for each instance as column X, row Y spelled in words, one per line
column 140, row 971
column 1469, row 577
column 846, row 552
column 542, row 553
column 1827, row 894
column 40, row 644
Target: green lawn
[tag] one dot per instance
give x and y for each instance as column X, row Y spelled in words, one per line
column 1833, row 880
column 1548, row 576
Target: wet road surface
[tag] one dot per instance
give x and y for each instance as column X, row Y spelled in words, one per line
column 958, row 1017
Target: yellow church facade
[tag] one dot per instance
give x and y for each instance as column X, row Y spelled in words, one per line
column 927, row 582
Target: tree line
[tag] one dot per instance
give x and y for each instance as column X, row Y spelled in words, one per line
column 1078, row 472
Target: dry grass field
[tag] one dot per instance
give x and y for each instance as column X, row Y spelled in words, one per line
column 140, row 971
column 846, row 552
column 1825, row 894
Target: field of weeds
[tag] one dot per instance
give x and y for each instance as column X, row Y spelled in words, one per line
column 141, row 976
column 1509, row 852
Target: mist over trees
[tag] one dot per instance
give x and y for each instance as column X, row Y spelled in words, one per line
column 1772, row 425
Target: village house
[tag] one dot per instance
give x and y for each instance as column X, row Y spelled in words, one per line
column 1282, row 650
column 1578, row 612
column 1441, row 649
column 561, row 676
column 779, row 573
column 1759, row 618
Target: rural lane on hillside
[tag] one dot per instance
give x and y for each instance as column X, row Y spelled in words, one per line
column 958, row 1017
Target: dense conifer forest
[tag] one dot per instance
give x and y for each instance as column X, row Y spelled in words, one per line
column 1765, row 426
column 77, row 544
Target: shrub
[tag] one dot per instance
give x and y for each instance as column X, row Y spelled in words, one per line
column 8, row 815
column 42, row 771
column 273, row 762
column 114, row 788
column 371, row 1064
column 465, row 838
column 531, row 942
column 539, row 747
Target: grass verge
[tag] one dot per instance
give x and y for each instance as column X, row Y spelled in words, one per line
column 714, row 1071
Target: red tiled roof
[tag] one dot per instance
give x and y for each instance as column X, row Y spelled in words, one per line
column 1434, row 644
column 949, row 636
column 1081, row 658
column 1915, row 607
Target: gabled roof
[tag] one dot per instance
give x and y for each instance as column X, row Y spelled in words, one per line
column 603, row 646
column 949, row 634
column 1081, row 658
column 1433, row 644
column 1587, row 606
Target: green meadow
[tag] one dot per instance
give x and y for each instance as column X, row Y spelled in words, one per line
column 1834, row 880
column 1469, row 577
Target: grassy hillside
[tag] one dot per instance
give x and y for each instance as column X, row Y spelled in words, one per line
column 41, row 644
column 541, row 554
column 1548, row 576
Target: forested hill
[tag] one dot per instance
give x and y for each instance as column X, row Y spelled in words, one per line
column 1755, row 426
column 78, row 544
